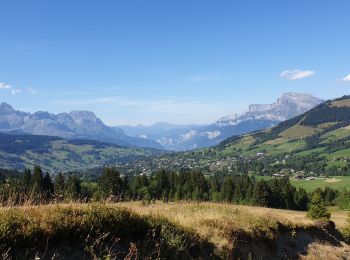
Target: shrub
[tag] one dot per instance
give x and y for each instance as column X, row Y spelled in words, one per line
column 317, row 208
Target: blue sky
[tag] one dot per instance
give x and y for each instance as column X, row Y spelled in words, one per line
column 183, row 61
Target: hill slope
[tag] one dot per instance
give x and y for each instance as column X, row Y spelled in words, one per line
column 54, row 153
column 322, row 132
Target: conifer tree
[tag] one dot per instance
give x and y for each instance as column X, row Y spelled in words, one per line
column 317, row 208
column 261, row 195
column 110, row 182
column 37, row 180
column 26, row 180
column 59, row 184
column 48, row 187
column 73, row 187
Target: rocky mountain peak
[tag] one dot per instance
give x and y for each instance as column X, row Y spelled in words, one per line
column 288, row 105
column 6, row 108
column 84, row 116
column 40, row 115
column 299, row 99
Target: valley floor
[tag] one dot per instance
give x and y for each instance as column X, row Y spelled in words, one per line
column 201, row 230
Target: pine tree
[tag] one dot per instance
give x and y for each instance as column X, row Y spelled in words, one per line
column 317, row 208
column 227, row 189
column 26, row 180
column 48, row 188
column 301, row 199
column 37, row 180
column 261, row 195
column 110, row 182
column 73, row 187
column 59, row 184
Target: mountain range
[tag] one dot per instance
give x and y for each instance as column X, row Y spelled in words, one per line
column 73, row 125
column 319, row 138
column 85, row 125
column 258, row 116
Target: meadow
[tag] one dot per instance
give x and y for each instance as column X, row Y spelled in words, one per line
column 337, row 182
column 182, row 230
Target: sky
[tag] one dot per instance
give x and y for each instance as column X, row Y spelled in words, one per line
column 184, row 61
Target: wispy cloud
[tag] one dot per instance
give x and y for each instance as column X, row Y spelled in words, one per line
column 346, row 78
column 15, row 91
column 296, row 74
column 205, row 77
column 116, row 100
column 4, row 85
column 170, row 109
column 32, row 91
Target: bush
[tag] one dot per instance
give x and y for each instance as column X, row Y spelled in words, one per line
column 317, row 208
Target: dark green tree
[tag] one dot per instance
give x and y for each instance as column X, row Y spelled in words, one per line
column 37, row 180
column 317, row 208
column 301, row 199
column 48, row 187
column 227, row 189
column 59, row 185
column 110, row 183
column 262, row 194
column 73, row 187
column 26, row 181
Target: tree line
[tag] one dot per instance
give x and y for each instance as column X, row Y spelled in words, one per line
column 35, row 186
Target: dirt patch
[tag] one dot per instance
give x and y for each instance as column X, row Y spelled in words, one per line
column 311, row 243
column 333, row 180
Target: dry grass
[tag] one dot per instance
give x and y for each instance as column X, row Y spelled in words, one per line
column 318, row 251
column 93, row 231
column 341, row 103
column 276, row 141
column 298, row 131
column 215, row 221
column 340, row 218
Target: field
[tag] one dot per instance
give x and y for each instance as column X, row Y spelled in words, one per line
column 336, row 182
column 184, row 230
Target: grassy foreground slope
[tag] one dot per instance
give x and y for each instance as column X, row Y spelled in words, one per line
column 54, row 153
column 133, row 230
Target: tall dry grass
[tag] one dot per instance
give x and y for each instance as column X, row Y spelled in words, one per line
column 216, row 221
column 182, row 224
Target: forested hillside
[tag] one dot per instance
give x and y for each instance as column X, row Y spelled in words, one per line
column 54, row 153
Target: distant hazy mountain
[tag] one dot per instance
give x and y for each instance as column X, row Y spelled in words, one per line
column 257, row 117
column 85, row 125
column 73, row 125
column 164, row 133
column 287, row 106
